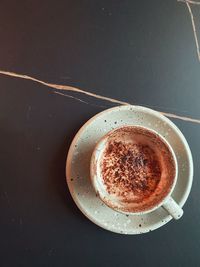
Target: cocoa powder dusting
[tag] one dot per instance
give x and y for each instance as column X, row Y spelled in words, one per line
column 130, row 168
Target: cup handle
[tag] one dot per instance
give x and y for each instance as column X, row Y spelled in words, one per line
column 173, row 208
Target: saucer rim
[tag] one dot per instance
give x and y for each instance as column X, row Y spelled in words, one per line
column 158, row 115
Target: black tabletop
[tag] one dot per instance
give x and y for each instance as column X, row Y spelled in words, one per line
column 140, row 52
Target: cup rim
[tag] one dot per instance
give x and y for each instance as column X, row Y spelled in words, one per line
column 164, row 200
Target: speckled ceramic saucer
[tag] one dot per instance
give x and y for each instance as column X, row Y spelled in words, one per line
column 78, row 168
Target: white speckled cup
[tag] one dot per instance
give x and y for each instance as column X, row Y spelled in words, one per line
column 167, row 202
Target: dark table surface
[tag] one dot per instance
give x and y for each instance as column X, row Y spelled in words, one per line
column 141, row 52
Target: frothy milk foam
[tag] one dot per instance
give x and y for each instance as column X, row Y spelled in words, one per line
column 135, row 169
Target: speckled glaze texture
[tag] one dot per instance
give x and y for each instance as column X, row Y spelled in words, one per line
column 78, row 168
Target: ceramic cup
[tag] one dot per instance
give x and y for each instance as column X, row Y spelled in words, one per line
column 167, row 202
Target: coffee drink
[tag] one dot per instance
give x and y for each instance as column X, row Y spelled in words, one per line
column 136, row 169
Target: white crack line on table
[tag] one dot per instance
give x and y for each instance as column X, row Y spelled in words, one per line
column 188, row 3
column 74, row 89
column 78, row 99
column 62, row 87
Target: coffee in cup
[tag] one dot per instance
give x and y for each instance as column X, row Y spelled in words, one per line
column 134, row 170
